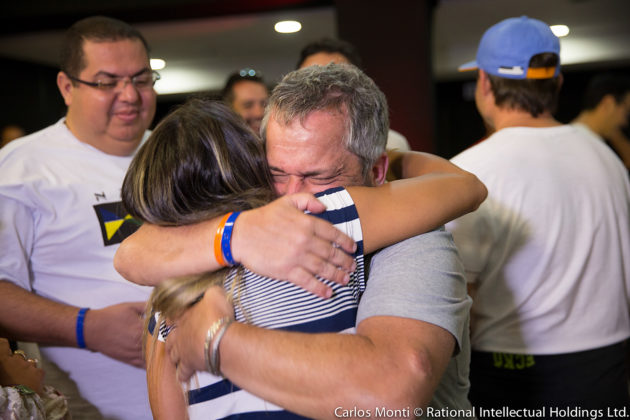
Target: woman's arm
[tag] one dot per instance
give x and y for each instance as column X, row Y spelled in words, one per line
column 165, row 393
column 277, row 240
column 436, row 192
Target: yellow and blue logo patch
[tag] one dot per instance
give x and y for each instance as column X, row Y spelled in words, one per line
column 116, row 224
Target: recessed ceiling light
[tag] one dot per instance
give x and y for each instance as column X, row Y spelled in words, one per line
column 560, row 30
column 157, row 64
column 288, row 26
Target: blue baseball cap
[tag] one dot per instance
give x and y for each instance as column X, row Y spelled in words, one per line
column 506, row 49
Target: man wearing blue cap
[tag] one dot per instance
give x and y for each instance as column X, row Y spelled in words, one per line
column 545, row 252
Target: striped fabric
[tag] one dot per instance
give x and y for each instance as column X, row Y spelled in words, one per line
column 275, row 304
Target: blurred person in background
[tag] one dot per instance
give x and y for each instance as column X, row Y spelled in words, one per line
column 246, row 93
column 328, row 50
column 11, row 132
column 606, row 110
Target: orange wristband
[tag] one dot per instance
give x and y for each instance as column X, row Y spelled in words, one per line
column 218, row 253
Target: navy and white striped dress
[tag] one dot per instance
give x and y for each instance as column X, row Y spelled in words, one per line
column 276, row 304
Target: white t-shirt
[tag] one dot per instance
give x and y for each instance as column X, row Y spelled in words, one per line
column 397, row 141
column 60, row 225
column 550, row 247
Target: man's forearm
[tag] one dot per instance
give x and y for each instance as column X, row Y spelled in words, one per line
column 113, row 330
column 27, row 317
column 385, row 365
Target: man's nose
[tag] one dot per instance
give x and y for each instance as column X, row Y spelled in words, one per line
column 128, row 91
column 259, row 110
column 295, row 184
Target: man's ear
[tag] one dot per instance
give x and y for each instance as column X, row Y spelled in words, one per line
column 484, row 82
column 560, row 81
column 379, row 170
column 608, row 103
column 65, row 87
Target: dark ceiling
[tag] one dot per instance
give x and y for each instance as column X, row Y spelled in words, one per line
column 37, row 15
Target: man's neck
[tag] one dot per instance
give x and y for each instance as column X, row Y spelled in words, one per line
column 516, row 118
column 104, row 144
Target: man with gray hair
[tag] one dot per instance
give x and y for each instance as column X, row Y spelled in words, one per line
column 326, row 127
column 344, row 93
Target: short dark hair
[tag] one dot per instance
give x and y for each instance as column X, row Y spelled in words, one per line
column 330, row 45
column 227, row 93
column 94, row 28
column 530, row 95
column 605, row 84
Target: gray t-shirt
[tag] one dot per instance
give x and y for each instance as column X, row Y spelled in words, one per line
column 423, row 278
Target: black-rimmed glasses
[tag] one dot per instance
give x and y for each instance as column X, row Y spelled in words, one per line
column 141, row 81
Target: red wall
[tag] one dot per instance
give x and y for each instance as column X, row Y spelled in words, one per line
column 393, row 39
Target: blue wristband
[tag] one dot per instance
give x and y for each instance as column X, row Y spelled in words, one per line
column 80, row 318
column 226, row 239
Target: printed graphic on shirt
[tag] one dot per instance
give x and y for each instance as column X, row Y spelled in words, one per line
column 116, row 223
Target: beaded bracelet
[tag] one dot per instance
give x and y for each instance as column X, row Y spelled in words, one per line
column 79, row 328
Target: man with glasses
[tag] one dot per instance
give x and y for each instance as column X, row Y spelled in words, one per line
column 61, row 220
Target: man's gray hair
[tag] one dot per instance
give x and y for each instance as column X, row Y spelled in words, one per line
column 340, row 87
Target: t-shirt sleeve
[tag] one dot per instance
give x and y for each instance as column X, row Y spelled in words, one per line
column 16, row 241
column 342, row 213
column 420, row 278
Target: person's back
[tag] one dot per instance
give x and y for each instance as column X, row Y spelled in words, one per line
column 545, row 252
column 556, row 195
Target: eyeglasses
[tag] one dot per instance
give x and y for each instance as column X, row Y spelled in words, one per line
column 112, row 84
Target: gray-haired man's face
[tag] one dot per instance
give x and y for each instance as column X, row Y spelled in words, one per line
column 309, row 156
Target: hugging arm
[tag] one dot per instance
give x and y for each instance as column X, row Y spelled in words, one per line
column 435, row 192
column 391, row 362
column 395, row 360
column 279, row 241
